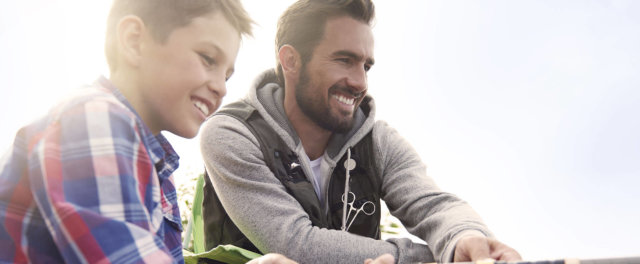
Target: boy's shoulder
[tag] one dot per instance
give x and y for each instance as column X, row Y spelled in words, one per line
column 91, row 99
column 83, row 109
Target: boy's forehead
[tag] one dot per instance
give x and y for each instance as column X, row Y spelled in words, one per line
column 212, row 29
column 213, row 20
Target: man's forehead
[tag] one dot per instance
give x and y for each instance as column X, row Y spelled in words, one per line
column 347, row 34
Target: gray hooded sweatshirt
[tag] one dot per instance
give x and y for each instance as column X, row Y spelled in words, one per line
column 275, row 222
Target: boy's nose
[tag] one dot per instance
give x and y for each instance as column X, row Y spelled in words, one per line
column 218, row 85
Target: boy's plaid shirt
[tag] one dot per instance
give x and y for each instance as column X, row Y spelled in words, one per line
column 89, row 183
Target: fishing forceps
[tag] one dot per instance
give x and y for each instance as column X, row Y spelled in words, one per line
column 368, row 208
column 348, row 197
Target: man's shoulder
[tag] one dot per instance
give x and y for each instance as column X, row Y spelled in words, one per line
column 232, row 114
column 224, row 127
column 240, row 108
column 385, row 136
column 382, row 127
column 230, row 130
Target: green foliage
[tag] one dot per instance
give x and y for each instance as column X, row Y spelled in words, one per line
column 186, row 192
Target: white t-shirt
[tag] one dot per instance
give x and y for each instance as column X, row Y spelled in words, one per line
column 320, row 177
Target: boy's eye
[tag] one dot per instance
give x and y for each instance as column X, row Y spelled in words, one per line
column 206, row 59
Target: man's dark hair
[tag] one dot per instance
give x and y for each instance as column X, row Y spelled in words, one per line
column 302, row 24
column 164, row 16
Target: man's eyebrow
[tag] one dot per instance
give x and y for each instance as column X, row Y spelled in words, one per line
column 353, row 55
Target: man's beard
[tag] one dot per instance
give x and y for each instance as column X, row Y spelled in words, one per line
column 314, row 108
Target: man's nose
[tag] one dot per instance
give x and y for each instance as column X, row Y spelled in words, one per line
column 358, row 78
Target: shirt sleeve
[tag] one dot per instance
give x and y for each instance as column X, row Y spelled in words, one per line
column 93, row 182
column 438, row 217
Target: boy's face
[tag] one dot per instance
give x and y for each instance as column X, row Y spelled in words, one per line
column 182, row 81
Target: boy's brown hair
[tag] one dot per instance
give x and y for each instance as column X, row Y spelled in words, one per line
column 302, row 24
column 163, row 16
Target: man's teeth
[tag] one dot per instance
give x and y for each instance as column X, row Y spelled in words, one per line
column 203, row 107
column 344, row 100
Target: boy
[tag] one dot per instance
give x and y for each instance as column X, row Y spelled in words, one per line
column 92, row 181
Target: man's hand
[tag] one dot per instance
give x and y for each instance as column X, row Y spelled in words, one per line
column 272, row 258
column 280, row 259
column 474, row 248
column 382, row 259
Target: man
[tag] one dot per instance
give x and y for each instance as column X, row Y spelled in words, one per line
column 279, row 159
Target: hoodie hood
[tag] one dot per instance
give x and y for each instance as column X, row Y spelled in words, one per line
column 267, row 96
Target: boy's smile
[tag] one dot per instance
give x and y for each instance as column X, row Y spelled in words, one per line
column 181, row 81
column 202, row 106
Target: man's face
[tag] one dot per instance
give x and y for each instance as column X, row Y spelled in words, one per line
column 333, row 82
column 182, row 81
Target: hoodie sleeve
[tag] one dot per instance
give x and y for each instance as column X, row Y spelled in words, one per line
column 262, row 209
column 438, row 217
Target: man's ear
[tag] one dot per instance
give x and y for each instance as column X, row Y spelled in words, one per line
column 290, row 61
column 130, row 32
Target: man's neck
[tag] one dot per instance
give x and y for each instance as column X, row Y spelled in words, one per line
column 313, row 137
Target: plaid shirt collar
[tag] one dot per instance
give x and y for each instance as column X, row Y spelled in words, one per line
column 164, row 158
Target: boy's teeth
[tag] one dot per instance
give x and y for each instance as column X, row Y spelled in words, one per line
column 203, row 107
column 344, row 100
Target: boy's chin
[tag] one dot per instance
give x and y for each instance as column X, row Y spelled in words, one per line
column 188, row 133
column 189, row 136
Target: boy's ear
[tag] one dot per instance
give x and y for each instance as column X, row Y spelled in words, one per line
column 290, row 61
column 130, row 33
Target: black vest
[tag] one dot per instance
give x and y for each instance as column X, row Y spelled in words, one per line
column 364, row 183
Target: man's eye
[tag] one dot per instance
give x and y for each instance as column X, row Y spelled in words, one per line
column 207, row 60
column 343, row 60
column 367, row 67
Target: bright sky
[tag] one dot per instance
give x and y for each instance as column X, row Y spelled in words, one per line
column 523, row 108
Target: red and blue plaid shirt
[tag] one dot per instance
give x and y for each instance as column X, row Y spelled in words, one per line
column 89, row 183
